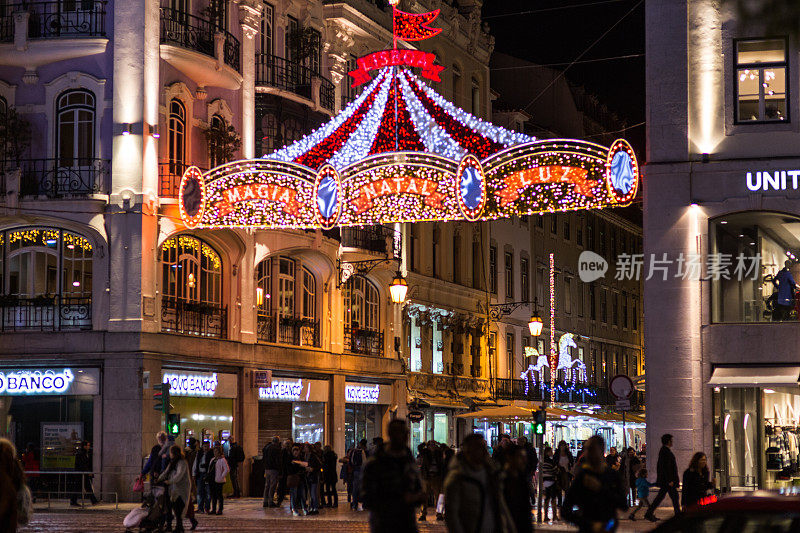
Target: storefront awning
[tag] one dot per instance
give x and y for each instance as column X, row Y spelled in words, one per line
column 755, row 376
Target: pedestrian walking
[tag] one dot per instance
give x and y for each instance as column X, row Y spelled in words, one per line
column 565, row 464
column 592, row 501
column 473, row 491
column 200, row 472
column 432, row 471
column 696, row 482
column 217, row 473
column 235, row 459
column 83, row 463
column 642, row 491
column 499, row 452
column 346, row 474
column 532, row 463
column 176, row 477
column 630, row 470
column 613, row 458
column 330, row 496
column 516, row 489
column 392, row 485
column 272, row 465
column 357, row 460
column 296, row 482
column 190, row 456
column 552, row 492
column 666, row 478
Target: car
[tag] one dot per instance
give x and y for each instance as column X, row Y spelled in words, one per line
column 751, row 513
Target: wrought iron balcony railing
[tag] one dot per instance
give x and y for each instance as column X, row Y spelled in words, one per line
column 363, row 341
column 169, row 178
column 296, row 331
column 197, row 34
column 379, row 239
column 194, row 318
column 582, row 393
column 45, row 313
column 48, row 20
column 282, row 73
column 58, row 178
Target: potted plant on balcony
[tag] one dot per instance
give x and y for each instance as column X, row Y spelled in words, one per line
column 223, row 142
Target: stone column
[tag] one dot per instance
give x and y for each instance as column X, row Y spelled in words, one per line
column 249, row 17
column 336, row 406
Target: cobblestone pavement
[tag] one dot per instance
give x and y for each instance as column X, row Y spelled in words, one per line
column 245, row 515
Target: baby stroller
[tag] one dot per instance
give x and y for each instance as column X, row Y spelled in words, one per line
column 152, row 515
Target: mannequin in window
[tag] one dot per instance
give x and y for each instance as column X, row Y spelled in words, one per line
column 786, row 286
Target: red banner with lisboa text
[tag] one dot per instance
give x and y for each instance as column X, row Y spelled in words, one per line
column 392, row 58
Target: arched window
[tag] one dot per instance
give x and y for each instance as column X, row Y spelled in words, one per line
column 75, row 114
column 292, row 130
column 45, row 279
column 176, row 137
column 286, row 320
column 361, row 317
column 191, row 271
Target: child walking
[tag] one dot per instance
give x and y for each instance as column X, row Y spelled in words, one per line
column 642, row 492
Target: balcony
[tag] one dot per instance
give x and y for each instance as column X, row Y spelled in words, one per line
column 55, row 178
column 363, row 342
column 583, row 393
column 206, row 53
column 169, row 178
column 295, row 331
column 365, row 242
column 194, row 318
column 30, row 27
column 45, row 313
column 293, row 77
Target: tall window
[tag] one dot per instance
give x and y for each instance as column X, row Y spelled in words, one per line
column 761, row 89
column 579, row 232
column 477, row 265
column 635, row 315
column 435, row 251
column 509, row 260
column 568, row 295
column 580, row 298
column 315, row 58
column 625, row 310
column 593, row 301
column 348, row 91
column 309, row 309
column 75, row 115
column 414, row 248
column 566, row 227
column 176, row 137
column 456, row 258
column 267, row 27
column 493, row 269
column 264, row 287
column 214, row 157
column 604, row 306
column 615, row 308
column 292, row 27
column 476, row 98
column 457, row 84
column 510, row 354
column 191, row 270
column 286, row 274
column 524, row 282
column 361, row 303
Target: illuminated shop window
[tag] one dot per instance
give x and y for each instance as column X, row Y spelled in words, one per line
column 761, row 90
column 191, row 271
column 746, row 265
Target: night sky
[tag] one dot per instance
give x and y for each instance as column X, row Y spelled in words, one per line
column 558, row 31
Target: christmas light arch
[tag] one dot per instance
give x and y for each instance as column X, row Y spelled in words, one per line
column 400, row 152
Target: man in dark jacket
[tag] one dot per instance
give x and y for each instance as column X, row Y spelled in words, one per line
column 283, row 471
column 272, row 466
column 199, row 470
column 83, row 463
column 392, row 486
column 531, row 463
column 235, row 458
column 666, row 478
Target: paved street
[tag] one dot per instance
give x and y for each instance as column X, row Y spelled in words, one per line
column 240, row 515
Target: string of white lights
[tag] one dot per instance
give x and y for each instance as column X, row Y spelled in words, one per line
column 360, row 142
column 433, row 136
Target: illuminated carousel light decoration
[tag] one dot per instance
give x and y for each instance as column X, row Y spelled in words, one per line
column 402, row 153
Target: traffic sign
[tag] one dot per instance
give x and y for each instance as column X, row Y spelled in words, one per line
column 623, row 405
column 621, row 386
